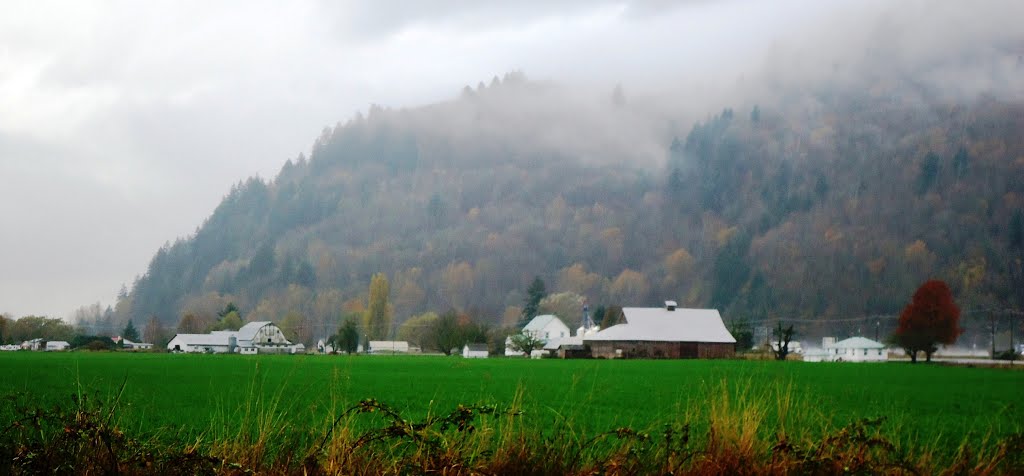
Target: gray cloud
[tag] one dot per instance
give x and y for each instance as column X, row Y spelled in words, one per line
column 123, row 123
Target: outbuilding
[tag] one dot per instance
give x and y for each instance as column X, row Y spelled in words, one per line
column 854, row 349
column 665, row 332
column 388, row 347
column 57, row 345
column 475, row 351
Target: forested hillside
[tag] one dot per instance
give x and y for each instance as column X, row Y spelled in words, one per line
column 822, row 205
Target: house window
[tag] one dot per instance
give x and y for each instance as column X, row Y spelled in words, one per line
column 865, row 352
column 879, row 351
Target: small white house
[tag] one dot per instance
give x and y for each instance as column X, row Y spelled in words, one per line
column 547, row 327
column 57, row 345
column 854, row 349
column 475, row 351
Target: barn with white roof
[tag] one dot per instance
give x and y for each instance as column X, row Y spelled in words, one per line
column 664, row 333
column 254, row 337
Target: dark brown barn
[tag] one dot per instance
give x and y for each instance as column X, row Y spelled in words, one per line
column 665, row 333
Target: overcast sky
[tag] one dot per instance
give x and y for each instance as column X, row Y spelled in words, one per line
column 122, row 124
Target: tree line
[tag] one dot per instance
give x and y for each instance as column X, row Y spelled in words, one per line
column 838, row 204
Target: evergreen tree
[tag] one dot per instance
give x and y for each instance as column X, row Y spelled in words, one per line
column 1016, row 239
column 534, row 294
column 130, row 332
column 928, row 174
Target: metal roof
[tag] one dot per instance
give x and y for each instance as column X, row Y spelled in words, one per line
column 540, row 322
column 857, row 343
column 219, row 339
column 657, row 324
column 248, row 331
column 243, row 337
column 555, row 343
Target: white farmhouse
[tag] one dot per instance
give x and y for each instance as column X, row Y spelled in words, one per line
column 854, row 349
column 475, row 351
column 547, row 327
column 254, row 337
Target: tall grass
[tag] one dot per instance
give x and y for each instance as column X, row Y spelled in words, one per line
column 734, row 428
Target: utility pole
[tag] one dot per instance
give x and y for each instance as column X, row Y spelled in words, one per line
column 992, row 326
column 878, row 326
column 1013, row 322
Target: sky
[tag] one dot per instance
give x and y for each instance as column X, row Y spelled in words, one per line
column 123, row 124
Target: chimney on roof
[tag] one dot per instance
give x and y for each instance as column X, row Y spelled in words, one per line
column 670, row 305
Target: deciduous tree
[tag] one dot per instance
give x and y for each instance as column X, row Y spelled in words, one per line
column 231, row 322
column 3, row 329
column 154, row 333
column 31, row 327
column 416, row 329
column 568, row 306
column 189, row 324
column 630, row 286
column 347, row 338
column 450, row 331
column 611, row 316
column 378, row 314
column 526, row 343
column 783, row 337
column 930, row 319
column 296, row 327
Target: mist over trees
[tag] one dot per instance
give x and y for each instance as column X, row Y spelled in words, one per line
column 816, row 204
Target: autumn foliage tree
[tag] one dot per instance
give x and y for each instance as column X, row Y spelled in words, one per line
column 377, row 318
column 930, row 319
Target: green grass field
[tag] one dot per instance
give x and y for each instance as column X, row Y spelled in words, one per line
column 188, row 395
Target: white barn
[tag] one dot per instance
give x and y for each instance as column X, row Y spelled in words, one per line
column 252, row 338
column 854, row 349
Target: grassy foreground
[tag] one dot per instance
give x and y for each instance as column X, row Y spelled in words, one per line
column 160, row 412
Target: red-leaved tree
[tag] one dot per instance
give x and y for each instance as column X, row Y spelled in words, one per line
column 930, row 319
